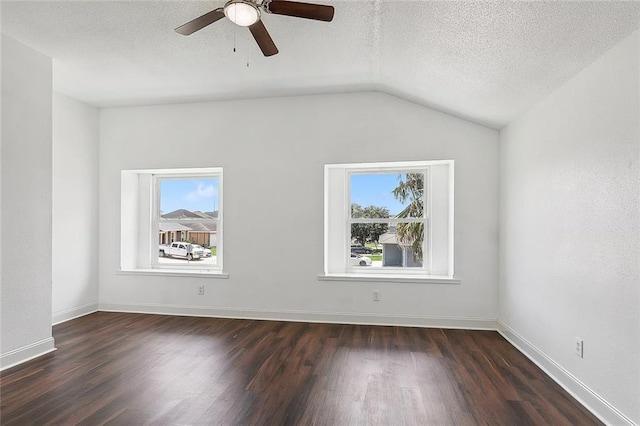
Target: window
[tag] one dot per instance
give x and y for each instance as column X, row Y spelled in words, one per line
column 186, row 218
column 172, row 220
column 389, row 219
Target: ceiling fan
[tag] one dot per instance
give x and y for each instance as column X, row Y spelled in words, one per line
column 246, row 13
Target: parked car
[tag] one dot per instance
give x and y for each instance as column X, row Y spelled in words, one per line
column 206, row 251
column 182, row 250
column 360, row 249
column 360, row 260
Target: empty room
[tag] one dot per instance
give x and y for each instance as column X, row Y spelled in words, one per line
column 351, row 212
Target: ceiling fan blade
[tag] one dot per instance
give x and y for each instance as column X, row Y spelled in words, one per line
column 200, row 22
column 260, row 33
column 319, row 12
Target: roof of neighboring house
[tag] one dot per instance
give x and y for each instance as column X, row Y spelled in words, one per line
column 388, row 238
column 181, row 214
column 203, row 215
column 201, row 227
column 169, row 227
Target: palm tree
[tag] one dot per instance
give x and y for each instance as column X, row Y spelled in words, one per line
column 411, row 234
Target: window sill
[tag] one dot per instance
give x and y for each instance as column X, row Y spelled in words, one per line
column 174, row 273
column 389, row 278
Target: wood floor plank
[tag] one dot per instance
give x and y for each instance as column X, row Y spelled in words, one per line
column 134, row 369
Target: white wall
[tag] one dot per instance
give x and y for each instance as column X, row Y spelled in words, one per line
column 75, row 208
column 569, row 233
column 273, row 152
column 26, row 203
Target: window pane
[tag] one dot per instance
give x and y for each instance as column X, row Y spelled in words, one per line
column 189, row 234
column 380, row 195
column 189, row 198
column 398, row 246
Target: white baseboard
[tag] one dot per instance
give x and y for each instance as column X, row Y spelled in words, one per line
column 26, row 353
column 305, row 316
column 587, row 397
column 75, row 312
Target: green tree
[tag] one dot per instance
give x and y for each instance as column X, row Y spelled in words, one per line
column 376, row 229
column 411, row 189
column 363, row 232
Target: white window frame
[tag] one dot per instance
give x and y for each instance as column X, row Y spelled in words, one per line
column 139, row 225
column 438, row 252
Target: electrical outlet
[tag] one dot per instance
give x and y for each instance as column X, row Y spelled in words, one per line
column 376, row 295
column 201, row 290
column 579, row 348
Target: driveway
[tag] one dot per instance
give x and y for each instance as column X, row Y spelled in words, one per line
column 207, row 261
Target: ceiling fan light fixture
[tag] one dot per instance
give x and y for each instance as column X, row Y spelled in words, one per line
column 242, row 13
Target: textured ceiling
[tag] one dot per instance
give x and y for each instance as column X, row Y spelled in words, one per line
column 485, row 61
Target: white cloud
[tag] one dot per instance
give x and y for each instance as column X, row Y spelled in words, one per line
column 202, row 192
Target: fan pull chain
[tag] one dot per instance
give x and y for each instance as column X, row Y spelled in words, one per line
column 235, row 31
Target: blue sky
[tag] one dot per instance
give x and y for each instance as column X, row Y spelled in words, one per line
column 375, row 190
column 189, row 194
column 202, row 194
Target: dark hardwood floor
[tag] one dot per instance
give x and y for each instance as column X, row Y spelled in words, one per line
column 133, row 369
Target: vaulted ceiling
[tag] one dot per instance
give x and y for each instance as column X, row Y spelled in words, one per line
column 484, row 61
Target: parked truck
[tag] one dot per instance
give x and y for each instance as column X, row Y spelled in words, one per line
column 182, row 250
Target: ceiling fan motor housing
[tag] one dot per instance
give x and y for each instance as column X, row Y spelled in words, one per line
column 242, row 12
